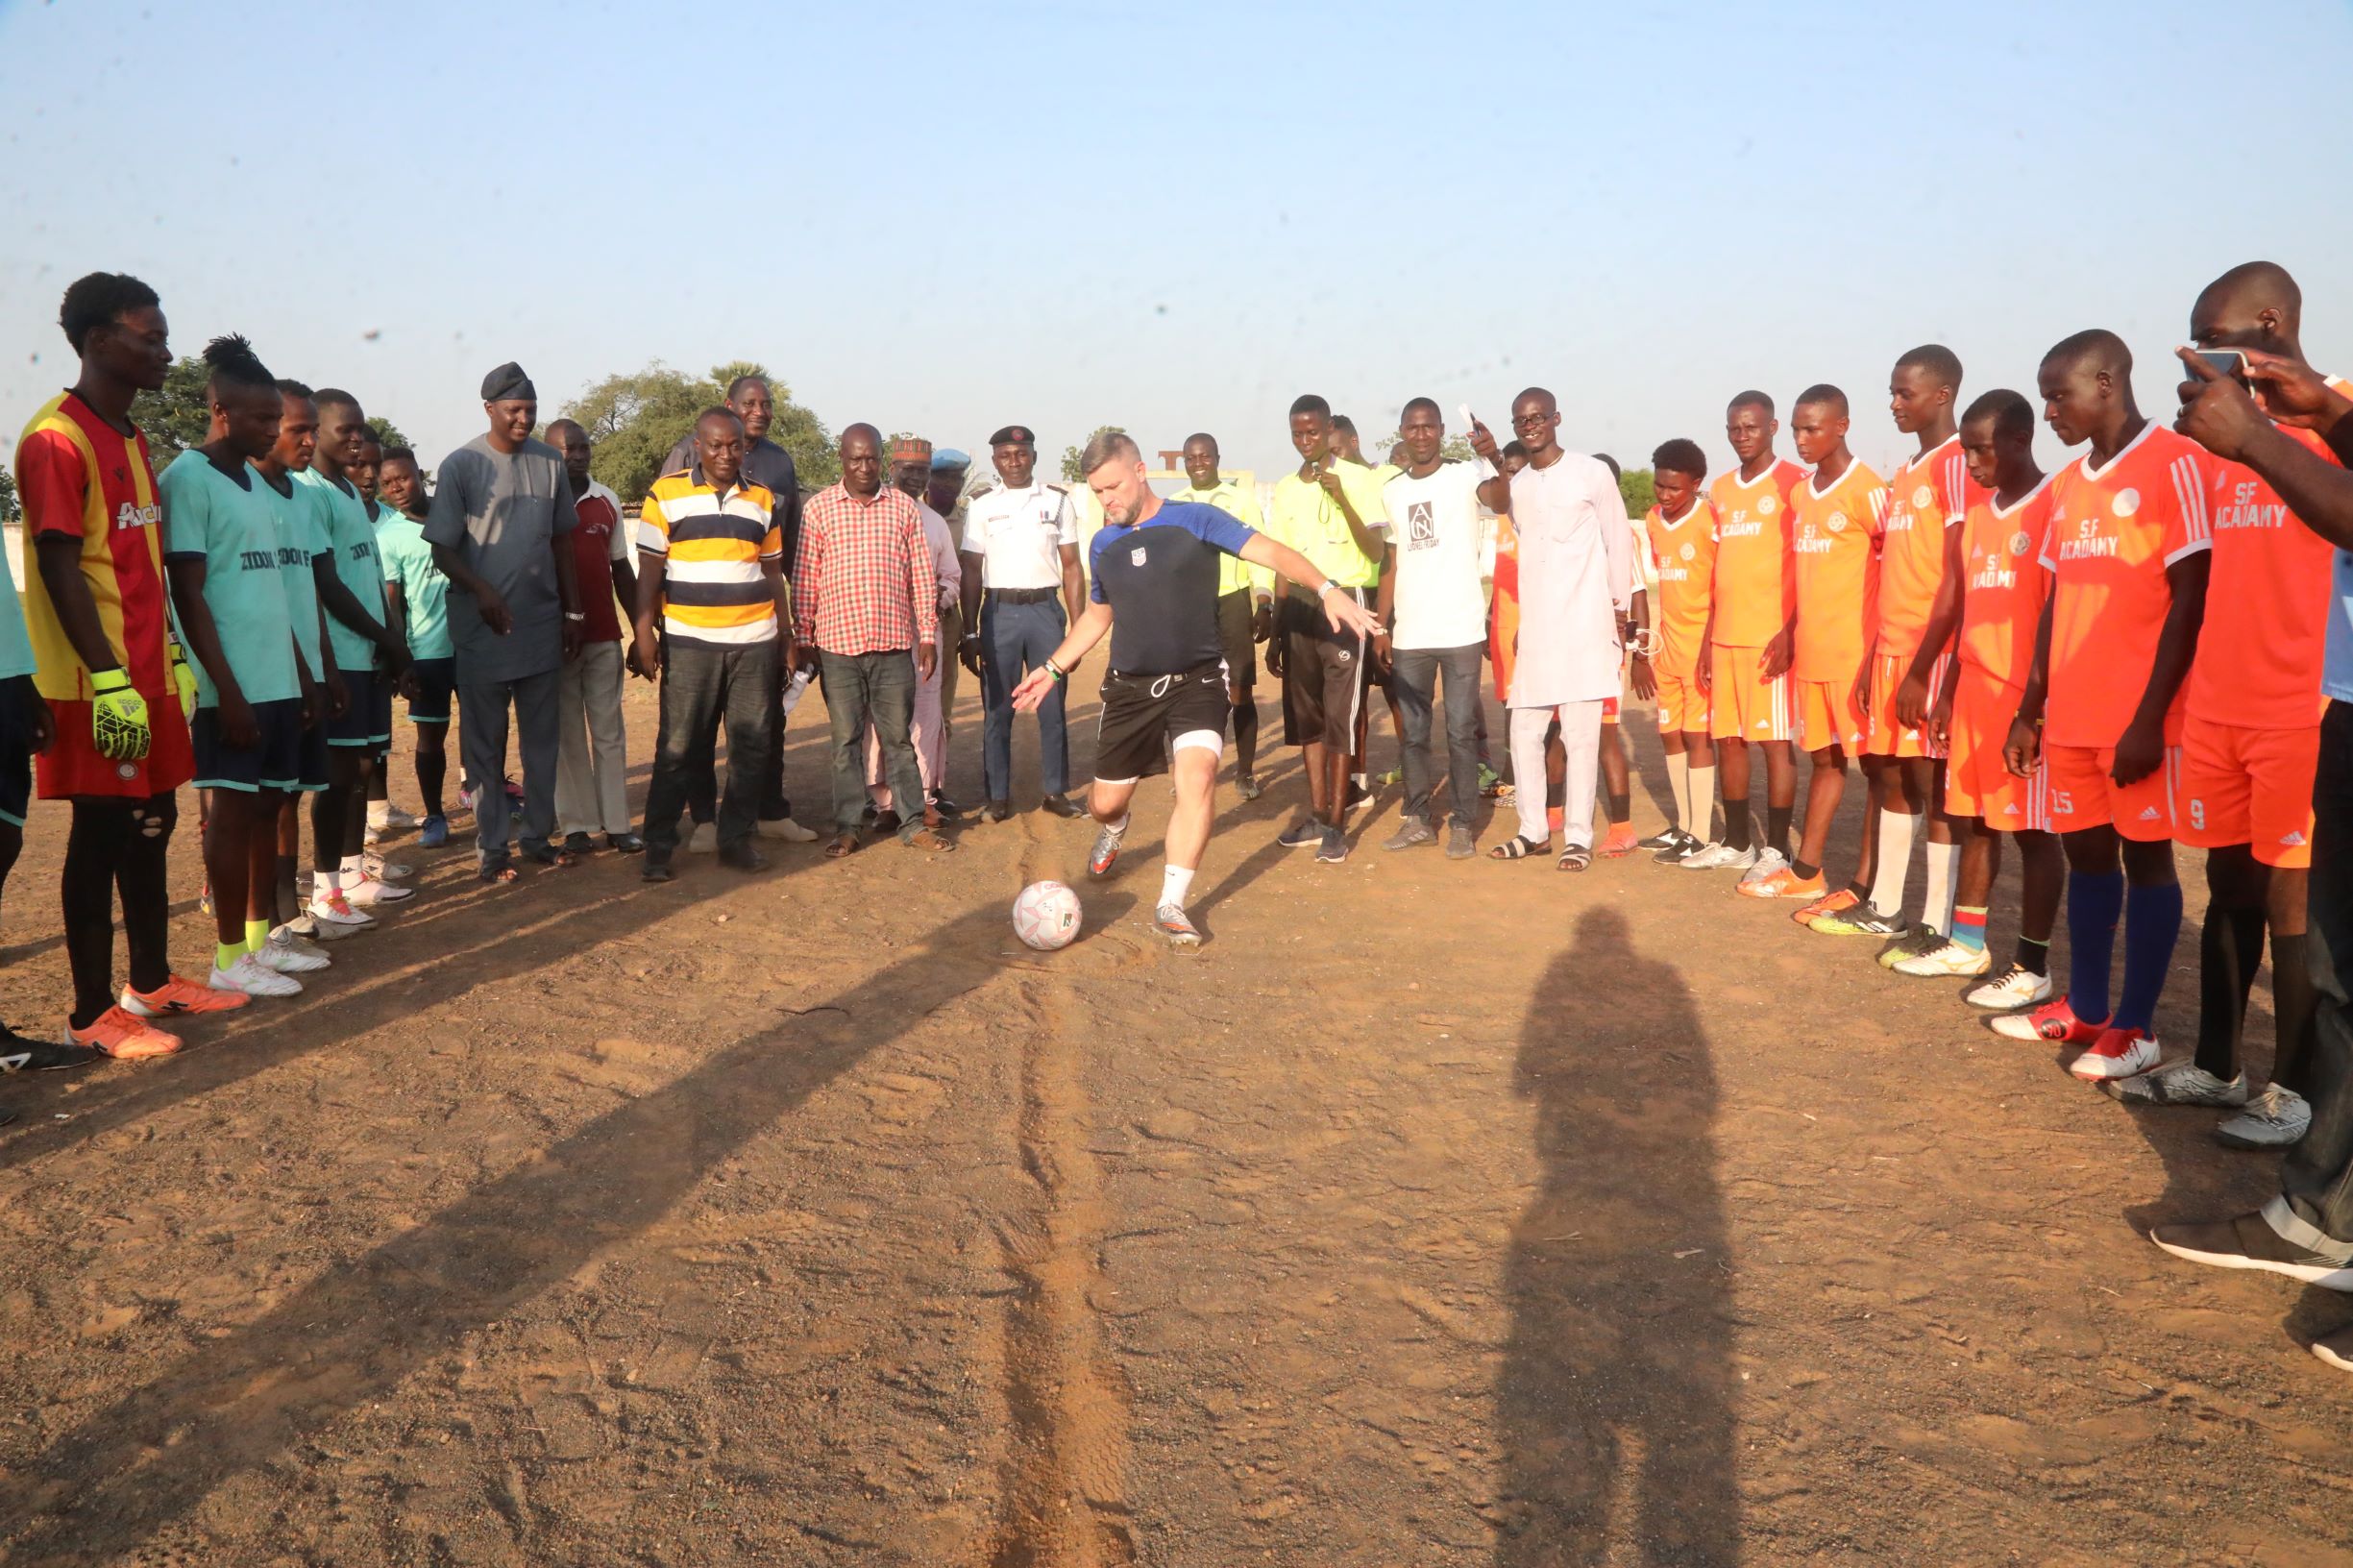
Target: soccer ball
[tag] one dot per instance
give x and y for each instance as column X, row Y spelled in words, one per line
column 1046, row 916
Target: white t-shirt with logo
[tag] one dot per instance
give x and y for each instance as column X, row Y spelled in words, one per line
column 1437, row 527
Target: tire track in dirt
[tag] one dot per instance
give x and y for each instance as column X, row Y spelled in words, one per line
column 1065, row 1496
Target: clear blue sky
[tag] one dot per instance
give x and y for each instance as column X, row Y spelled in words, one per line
column 943, row 218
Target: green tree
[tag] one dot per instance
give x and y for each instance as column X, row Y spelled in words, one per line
column 9, row 508
column 635, row 417
column 1070, row 454
column 387, row 434
column 1634, row 485
column 176, row 418
column 1451, row 449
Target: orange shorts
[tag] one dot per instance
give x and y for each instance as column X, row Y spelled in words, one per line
column 1681, row 705
column 1977, row 782
column 1743, row 704
column 1827, row 715
column 2082, row 796
column 1885, row 737
column 2250, row 787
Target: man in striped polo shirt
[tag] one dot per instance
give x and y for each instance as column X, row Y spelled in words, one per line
column 711, row 562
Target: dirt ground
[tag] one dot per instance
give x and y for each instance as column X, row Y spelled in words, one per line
column 1434, row 1213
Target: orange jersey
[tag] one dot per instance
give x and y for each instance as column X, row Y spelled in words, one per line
column 81, row 479
column 2003, row 583
column 1929, row 494
column 2113, row 533
column 1684, row 560
column 2260, row 651
column 1837, row 544
column 1756, row 583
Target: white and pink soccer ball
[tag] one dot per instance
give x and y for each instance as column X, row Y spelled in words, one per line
column 1046, row 916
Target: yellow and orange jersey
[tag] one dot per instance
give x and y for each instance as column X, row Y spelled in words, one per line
column 1684, row 562
column 1837, row 544
column 79, row 478
column 2003, row 583
column 2112, row 533
column 1757, row 574
column 1929, row 494
column 2260, row 652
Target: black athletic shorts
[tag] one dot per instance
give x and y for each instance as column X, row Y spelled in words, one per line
column 367, row 719
column 436, row 683
column 1143, row 715
column 274, row 762
column 1233, row 616
column 312, row 771
column 16, row 765
column 1323, row 674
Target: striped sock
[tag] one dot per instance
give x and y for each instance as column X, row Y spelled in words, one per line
column 1968, row 927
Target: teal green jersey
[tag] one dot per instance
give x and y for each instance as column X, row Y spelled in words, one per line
column 228, row 524
column 424, row 593
column 299, row 543
column 344, row 515
column 15, row 648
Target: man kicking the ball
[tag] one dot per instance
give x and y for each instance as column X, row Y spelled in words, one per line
column 1154, row 572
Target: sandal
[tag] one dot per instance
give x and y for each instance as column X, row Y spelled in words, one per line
column 1516, row 847
column 925, row 839
column 501, row 874
column 1575, row 858
column 842, row 845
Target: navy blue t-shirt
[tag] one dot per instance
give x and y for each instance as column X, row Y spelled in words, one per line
column 1160, row 577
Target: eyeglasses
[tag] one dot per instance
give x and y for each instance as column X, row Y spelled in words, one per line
column 1532, row 422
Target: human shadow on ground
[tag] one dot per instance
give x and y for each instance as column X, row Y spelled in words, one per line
column 127, row 1473
column 1615, row 1400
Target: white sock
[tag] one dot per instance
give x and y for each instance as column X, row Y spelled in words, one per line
column 325, row 884
column 1176, row 884
column 1118, row 829
column 1678, row 785
column 1943, row 871
column 1700, row 790
column 355, row 868
column 1357, row 779
column 379, row 813
column 1895, row 832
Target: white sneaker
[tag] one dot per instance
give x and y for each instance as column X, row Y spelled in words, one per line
column 396, row 817
column 367, row 892
column 1719, row 857
column 782, row 827
column 2012, row 991
column 308, row 927
column 250, row 978
column 335, row 913
column 1768, row 862
column 287, row 960
column 386, row 870
column 704, row 839
column 2180, row 1083
column 1949, row 959
column 2273, row 1120
column 294, row 939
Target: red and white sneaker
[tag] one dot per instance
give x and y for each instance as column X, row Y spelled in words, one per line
column 2118, row 1053
column 2055, row 1021
column 335, row 913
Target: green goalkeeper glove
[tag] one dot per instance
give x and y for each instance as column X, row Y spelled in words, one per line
column 118, row 718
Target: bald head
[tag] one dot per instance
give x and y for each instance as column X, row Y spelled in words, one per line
column 1823, row 394
column 1535, row 419
column 861, row 460
column 2254, row 306
column 2095, row 350
column 561, row 431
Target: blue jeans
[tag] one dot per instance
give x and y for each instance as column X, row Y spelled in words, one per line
column 877, row 688
column 703, row 687
column 1417, row 679
column 1015, row 639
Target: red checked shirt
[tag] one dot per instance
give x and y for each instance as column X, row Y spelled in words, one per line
column 864, row 582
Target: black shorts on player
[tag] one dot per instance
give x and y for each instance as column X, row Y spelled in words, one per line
column 436, row 683
column 1323, row 674
column 274, row 762
column 1235, row 612
column 1143, row 717
column 367, row 719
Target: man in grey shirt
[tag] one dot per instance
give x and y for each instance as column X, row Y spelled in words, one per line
column 501, row 506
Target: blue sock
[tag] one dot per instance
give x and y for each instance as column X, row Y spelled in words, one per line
column 2092, row 904
column 2152, row 924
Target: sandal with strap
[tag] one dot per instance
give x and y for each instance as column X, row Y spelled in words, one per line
column 923, row 838
column 1575, row 858
column 500, row 876
column 1516, row 847
column 844, row 844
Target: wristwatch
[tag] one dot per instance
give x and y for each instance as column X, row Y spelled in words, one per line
column 576, row 615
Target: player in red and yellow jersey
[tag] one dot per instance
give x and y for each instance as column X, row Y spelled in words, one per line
column 1749, row 643
column 2250, row 745
column 96, row 607
column 1840, row 512
column 1911, row 659
column 1679, row 537
column 2000, row 584
column 2128, row 550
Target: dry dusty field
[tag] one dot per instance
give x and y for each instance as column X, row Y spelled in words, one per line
column 1434, row 1213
